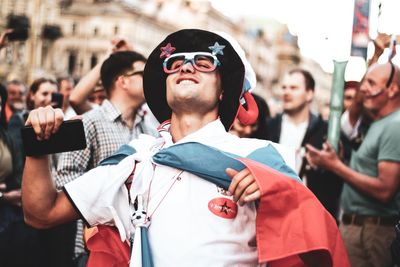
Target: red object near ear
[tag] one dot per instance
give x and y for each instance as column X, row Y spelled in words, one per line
column 249, row 116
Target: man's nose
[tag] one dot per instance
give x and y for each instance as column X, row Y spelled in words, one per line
column 187, row 67
column 363, row 87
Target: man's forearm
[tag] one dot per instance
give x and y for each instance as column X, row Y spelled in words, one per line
column 79, row 96
column 372, row 186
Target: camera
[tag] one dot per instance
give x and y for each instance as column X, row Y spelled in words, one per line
column 20, row 26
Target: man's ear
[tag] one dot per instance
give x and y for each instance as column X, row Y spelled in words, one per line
column 394, row 90
column 221, row 96
column 310, row 95
column 120, row 82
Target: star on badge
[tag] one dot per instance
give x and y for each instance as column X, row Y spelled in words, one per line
column 217, row 49
column 225, row 208
column 167, row 50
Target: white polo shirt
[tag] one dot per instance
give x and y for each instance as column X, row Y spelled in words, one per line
column 192, row 221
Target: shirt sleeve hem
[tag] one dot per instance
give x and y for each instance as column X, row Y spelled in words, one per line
column 76, row 207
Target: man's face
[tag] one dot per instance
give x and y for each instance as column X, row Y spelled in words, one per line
column 191, row 90
column 134, row 81
column 295, row 95
column 97, row 97
column 66, row 87
column 348, row 97
column 243, row 130
column 373, row 87
column 16, row 96
column 42, row 97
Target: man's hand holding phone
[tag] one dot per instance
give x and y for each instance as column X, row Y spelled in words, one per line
column 45, row 121
column 46, row 132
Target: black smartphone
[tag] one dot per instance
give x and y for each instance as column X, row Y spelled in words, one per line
column 57, row 100
column 70, row 136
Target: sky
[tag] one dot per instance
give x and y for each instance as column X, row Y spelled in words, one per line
column 323, row 27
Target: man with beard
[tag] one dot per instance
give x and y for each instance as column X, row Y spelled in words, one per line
column 298, row 126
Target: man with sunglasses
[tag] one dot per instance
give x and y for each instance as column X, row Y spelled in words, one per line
column 117, row 121
column 371, row 196
column 197, row 196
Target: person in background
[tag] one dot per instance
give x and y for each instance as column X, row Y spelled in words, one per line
column 371, row 195
column 49, row 240
column 98, row 95
column 39, row 95
column 354, row 121
column 298, row 126
column 19, row 244
column 15, row 88
column 66, row 85
column 16, row 100
column 349, row 93
column 259, row 128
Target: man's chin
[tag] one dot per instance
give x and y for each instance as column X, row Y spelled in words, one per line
column 18, row 106
column 289, row 111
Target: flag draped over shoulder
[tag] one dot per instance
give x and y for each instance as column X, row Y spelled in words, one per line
column 292, row 227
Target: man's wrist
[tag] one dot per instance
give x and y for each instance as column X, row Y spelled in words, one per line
column 339, row 168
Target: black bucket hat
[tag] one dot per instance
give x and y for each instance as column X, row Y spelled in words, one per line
column 231, row 69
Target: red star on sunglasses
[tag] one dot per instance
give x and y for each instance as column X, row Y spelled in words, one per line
column 167, row 50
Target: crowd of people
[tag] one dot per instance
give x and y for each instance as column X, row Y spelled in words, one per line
column 184, row 167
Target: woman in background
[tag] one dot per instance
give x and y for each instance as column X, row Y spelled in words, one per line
column 18, row 241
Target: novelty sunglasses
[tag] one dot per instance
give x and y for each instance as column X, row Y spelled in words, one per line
column 201, row 61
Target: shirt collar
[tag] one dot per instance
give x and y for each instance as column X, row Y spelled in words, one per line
column 285, row 119
column 110, row 111
column 205, row 135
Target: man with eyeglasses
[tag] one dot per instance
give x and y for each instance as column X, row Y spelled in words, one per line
column 117, row 121
column 371, row 197
column 197, row 196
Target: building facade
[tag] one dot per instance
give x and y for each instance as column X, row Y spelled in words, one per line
column 71, row 36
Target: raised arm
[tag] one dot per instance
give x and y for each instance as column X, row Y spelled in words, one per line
column 3, row 38
column 43, row 206
column 382, row 188
column 83, row 89
column 79, row 96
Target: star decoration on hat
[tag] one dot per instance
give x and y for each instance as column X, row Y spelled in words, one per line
column 167, row 50
column 217, row 49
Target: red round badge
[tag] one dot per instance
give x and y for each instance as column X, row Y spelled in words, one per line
column 223, row 207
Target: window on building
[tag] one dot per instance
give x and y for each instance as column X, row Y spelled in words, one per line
column 74, row 26
column 116, row 30
column 71, row 62
column 96, row 31
column 93, row 61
